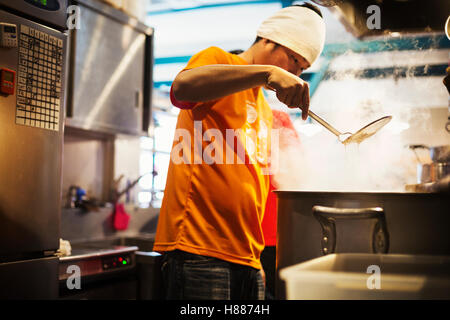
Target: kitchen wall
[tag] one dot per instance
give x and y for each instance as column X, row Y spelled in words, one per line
column 87, row 163
column 78, row 225
column 100, row 162
column 93, row 161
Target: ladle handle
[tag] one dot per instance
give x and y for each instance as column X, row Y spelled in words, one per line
column 323, row 123
column 318, row 119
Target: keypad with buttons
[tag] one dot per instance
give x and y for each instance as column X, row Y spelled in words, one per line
column 8, row 35
column 39, row 79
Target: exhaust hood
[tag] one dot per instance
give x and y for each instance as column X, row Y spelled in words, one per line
column 402, row 16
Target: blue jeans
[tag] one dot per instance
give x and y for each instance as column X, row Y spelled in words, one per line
column 194, row 277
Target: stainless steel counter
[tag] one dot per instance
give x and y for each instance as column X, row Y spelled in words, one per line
column 93, row 260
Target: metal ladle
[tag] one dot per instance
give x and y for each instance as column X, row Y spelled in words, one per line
column 357, row 137
column 348, row 137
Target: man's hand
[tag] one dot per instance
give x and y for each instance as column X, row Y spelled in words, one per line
column 290, row 89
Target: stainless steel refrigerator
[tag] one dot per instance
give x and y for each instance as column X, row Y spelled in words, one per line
column 32, row 99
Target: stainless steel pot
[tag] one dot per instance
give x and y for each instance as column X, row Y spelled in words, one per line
column 432, row 172
column 440, row 154
column 438, row 168
column 437, row 154
column 312, row 224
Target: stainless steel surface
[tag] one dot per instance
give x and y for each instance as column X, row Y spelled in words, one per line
column 30, row 165
column 441, row 186
column 81, row 253
column 394, row 15
column 108, row 57
column 439, row 168
column 440, row 153
column 93, row 260
column 327, row 217
column 432, row 172
column 144, row 241
column 148, row 262
column 149, row 275
column 105, row 272
column 324, row 123
column 437, row 154
column 417, row 224
column 55, row 13
column 117, row 15
column 29, row 279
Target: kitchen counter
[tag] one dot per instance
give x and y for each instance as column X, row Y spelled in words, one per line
column 112, row 268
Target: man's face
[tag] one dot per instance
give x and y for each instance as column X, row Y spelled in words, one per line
column 283, row 57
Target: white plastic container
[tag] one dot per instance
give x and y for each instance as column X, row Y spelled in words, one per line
column 350, row 276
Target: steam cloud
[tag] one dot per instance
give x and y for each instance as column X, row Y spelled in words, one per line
column 322, row 163
column 381, row 163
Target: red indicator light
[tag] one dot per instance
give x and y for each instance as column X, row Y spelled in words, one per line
column 120, row 259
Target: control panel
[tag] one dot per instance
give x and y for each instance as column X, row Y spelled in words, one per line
column 116, row 262
column 7, row 81
column 8, row 35
column 96, row 261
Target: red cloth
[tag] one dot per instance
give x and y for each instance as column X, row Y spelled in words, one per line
column 269, row 224
column 121, row 218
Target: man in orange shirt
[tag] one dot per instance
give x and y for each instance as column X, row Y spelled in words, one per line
column 209, row 227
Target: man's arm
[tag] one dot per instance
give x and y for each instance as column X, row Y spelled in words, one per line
column 212, row 82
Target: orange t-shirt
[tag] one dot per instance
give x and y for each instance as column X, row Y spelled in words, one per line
column 217, row 183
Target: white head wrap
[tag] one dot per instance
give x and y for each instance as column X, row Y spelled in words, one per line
column 298, row 28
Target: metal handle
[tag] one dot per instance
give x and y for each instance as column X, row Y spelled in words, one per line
column 137, row 98
column 328, row 215
column 324, row 123
column 418, row 146
column 318, row 119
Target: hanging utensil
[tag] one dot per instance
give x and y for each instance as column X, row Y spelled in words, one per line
column 360, row 135
column 118, row 194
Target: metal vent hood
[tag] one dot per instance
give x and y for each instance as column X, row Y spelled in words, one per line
column 404, row 16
